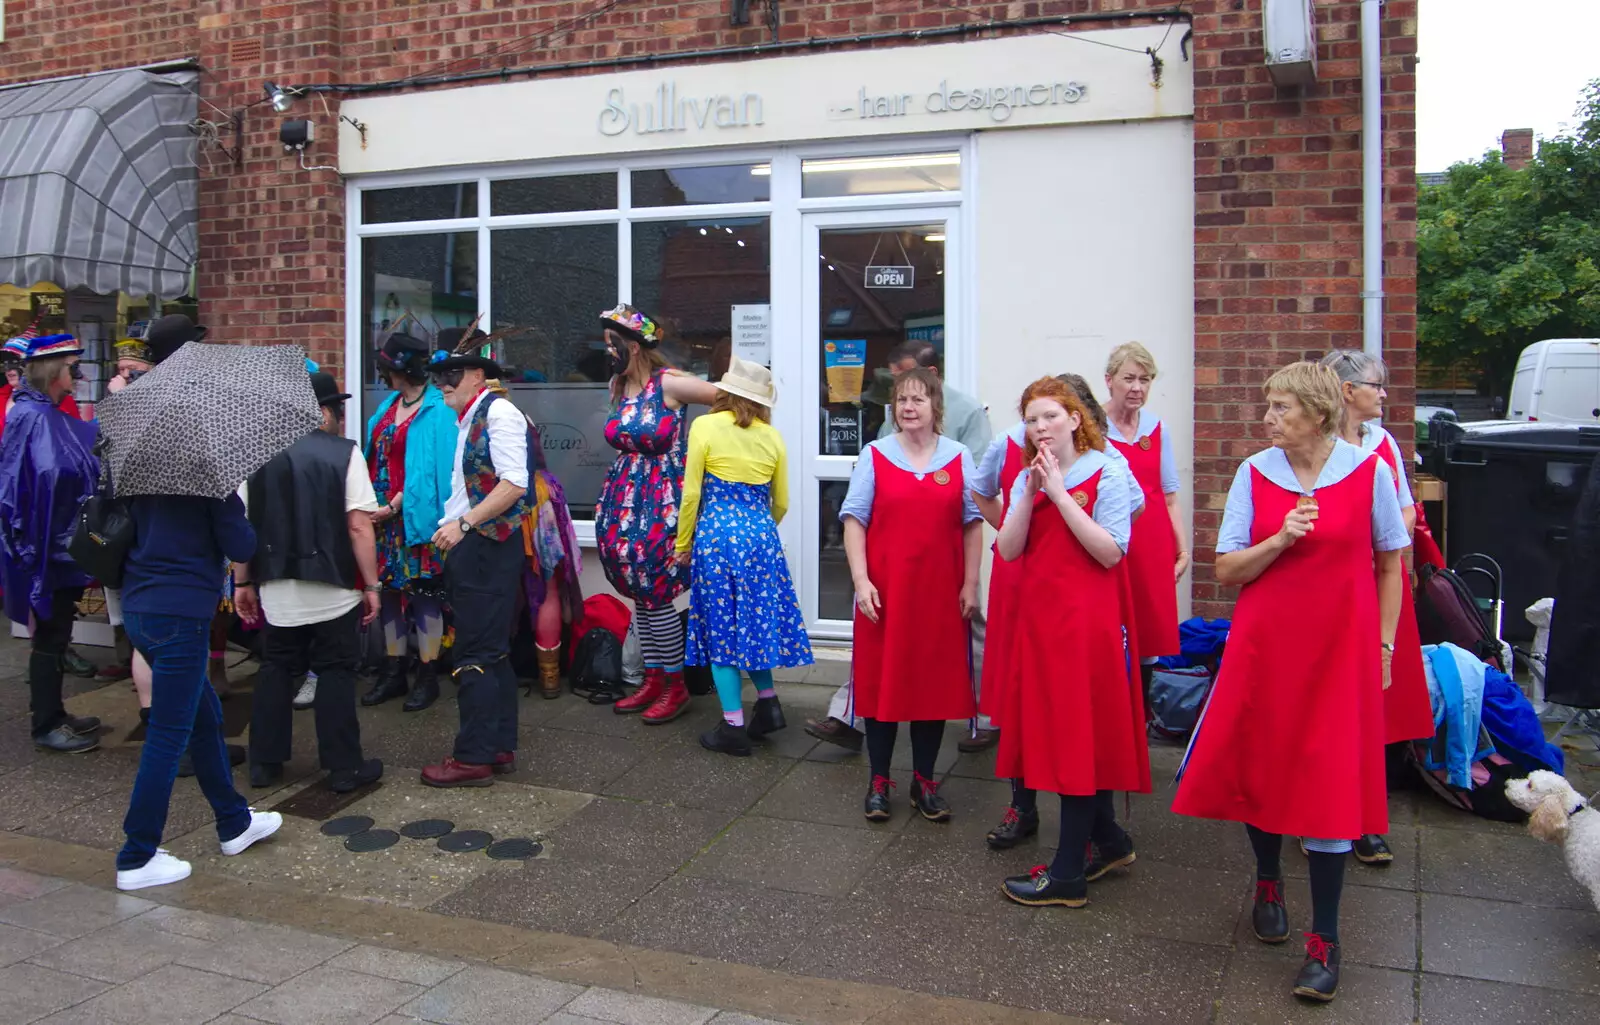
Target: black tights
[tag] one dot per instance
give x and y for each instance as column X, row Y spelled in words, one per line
column 1327, row 879
column 1084, row 817
column 926, row 735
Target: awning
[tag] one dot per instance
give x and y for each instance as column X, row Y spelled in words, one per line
column 98, row 183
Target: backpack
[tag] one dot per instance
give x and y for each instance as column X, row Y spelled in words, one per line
column 1176, row 698
column 1487, row 797
column 596, row 670
column 1447, row 612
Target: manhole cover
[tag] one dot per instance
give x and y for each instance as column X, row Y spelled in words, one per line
column 426, row 829
column 372, row 840
column 347, row 826
column 465, row 840
column 515, row 849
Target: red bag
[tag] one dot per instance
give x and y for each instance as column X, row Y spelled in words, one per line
column 602, row 610
column 1425, row 550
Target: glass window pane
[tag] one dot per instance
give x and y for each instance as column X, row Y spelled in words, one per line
column 873, row 176
column 557, row 194
column 434, row 278
column 683, row 186
column 419, row 203
column 549, row 286
column 689, row 275
column 864, row 315
column 835, row 591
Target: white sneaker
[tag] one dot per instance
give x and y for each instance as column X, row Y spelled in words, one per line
column 161, row 869
column 306, row 696
column 262, row 825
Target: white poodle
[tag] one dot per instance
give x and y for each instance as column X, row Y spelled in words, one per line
column 1559, row 814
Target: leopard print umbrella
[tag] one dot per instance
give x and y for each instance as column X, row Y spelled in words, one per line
column 206, row 418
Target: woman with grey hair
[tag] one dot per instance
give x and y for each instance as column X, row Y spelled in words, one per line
column 1407, row 713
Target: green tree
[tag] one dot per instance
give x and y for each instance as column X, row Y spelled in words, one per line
column 1508, row 257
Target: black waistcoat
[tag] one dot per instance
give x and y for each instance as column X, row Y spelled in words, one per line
column 297, row 509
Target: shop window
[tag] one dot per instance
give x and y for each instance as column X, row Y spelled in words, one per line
column 687, row 186
column 419, row 203
column 691, row 275
column 872, row 176
column 554, row 194
column 431, row 278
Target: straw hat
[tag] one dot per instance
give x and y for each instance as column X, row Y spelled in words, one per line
column 749, row 381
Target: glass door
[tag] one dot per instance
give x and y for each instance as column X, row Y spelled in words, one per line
column 873, row 283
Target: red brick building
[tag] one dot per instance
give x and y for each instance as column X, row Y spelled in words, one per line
column 1271, row 220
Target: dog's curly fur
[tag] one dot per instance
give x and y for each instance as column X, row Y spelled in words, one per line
column 1548, row 799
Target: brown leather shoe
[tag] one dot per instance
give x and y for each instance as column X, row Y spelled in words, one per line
column 983, row 740
column 549, row 671
column 835, row 732
column 451, row 773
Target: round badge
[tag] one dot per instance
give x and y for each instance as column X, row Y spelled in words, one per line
column 1144, row 443
column 941, row 477
column 1082, row 498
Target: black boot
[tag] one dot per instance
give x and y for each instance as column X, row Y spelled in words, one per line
column 1016, row 827
column 766, row 717
column 1040, row 889
column 925, row 798
column 1106, row 859
column 390, row 684
column 346, row 780
column 1371, row 850
column 727, row 738
column 877, row 803
column 1269, row 918
column 425, row 691
column 1319, row 976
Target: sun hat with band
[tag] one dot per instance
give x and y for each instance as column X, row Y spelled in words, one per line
column 458, row 350
column 749, row 381
column 630, row 323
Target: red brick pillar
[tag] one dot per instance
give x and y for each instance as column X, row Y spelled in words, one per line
column 1516, row 147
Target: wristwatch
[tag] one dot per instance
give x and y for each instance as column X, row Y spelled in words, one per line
column 466, row 528
column 1387, row 646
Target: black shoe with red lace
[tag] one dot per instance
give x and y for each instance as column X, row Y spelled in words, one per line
column 1270, row 918
column 925, row 798
column 877, row 806
column 1102, row 860
column 1040, row 889
column 1016, row 827
column 1319, row 976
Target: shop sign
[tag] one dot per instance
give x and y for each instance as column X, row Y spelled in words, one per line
column 49, row 311
column 999, row 101
column 844, row 434
column 666, row 111
column 895, row 276
column 752, row 333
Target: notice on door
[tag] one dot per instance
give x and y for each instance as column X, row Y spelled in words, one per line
column 845, row 361
column 752, row 333
column 894, row 276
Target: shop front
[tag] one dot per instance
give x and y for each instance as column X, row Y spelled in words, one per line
column 1023, row 204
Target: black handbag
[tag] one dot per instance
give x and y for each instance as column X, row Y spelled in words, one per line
column 104, row 533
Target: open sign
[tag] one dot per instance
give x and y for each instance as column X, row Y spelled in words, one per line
column 891, row 277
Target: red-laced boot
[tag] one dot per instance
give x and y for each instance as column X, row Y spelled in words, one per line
column 671, row 704
column 645, row 696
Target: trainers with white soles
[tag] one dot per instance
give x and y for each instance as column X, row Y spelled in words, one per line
column 161, row 869
column 306, row 696
column 262, row 825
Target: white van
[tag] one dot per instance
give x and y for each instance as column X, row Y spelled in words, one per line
column 1557, row 381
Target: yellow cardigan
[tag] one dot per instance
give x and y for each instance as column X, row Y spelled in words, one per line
column 740, row 455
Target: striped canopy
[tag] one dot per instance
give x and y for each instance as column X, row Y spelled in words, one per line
column 98, row 182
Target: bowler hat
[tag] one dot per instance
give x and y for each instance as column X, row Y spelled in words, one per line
column 169, row 334
column 327, row 389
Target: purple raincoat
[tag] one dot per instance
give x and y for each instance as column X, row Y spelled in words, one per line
column 47, row 469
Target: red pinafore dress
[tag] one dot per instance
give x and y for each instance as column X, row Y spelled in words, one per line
column 915, row 662
column 1291, row 741
column 1074, row 719
column 1003, row 577
column 1152, row 552
column 1407, row 712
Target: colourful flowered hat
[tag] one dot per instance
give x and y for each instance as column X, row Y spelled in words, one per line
column 48, row 346
column 626, row 320
column 135, row 348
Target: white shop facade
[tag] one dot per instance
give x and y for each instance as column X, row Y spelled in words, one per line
column 1024, row 204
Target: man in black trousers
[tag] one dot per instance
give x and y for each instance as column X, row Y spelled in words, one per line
column 314, row 580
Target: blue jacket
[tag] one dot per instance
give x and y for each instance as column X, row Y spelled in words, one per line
column 1509, row 717
column 181, row 543
column 47, row 469
column 1455, row 686
column 430, row 458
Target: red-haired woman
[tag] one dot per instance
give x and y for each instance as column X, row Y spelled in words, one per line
column 1074, row 720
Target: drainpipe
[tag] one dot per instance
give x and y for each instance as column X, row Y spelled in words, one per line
column 1371, row 179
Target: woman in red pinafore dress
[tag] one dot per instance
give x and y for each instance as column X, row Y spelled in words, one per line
column 1158, row 553
column 1291, row 740
column 1407, row 712
column 1073, row 722
column 914, row 538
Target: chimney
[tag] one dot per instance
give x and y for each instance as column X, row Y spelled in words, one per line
column 1516, row 147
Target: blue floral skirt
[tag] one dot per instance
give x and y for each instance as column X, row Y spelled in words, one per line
column 743, row 611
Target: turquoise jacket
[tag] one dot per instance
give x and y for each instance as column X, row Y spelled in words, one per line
column 430, row 458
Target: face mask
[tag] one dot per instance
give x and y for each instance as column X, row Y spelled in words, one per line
column 133, row 375
column 617, row 360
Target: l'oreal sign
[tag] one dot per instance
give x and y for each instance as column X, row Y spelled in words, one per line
column 666, row 111
column 891, row 277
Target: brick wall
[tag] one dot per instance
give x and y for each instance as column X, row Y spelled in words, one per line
column 1277, row 170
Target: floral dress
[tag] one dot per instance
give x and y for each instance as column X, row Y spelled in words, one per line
column 636, row 520
column 400, row 567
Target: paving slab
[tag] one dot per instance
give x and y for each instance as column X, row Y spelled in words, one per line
column 1156, row 899
column 1451, row 1001
column 1376, row 926
column 1500, row 942
column 400, row 965
column 31, row 992
column 570, row 760
column 925, row 871
column 798, row 857
column 18, row 944
column 254, row 951
column 633, row 1009
column 73, row 911
column 731, row 921
column 1259, row 991
column 816, row 792
column 574, row 898
column 33, row 793
column 172, row 995
column 330, row 996
column 122, row 952
column 690, row 777
column 1499, row 866
column 488, row 996
column 27, row 885
column 636, row 835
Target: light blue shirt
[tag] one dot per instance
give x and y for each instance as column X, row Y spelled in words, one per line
column 1148, row 422
column 1388, row 528
column 1372, row 436
column 1111, row 509
column 857, row 503
column 987, row 482
column 965, row 421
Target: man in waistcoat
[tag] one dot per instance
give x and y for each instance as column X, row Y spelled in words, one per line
column 315, row 581
column 481, row 538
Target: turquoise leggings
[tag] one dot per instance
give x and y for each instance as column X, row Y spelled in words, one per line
column 730, row 686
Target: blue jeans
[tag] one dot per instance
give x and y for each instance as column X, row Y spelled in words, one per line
column 184, row 715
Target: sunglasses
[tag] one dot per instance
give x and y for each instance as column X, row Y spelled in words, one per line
column 449, row 378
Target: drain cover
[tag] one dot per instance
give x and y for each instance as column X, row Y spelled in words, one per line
column 515, row 849
column 347, row 826
column 465, row 840
column 426, row 829
column 372, row 840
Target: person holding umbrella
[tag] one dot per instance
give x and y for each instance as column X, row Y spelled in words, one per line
column 47, row 469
